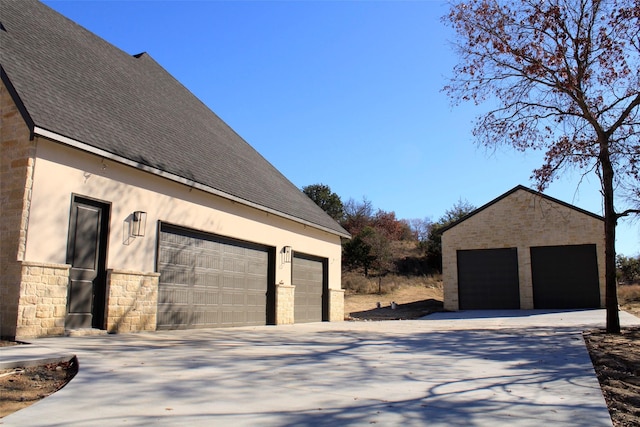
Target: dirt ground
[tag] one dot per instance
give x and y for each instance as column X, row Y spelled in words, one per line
column 412, row 302
column 616, row 358
column 21, row 387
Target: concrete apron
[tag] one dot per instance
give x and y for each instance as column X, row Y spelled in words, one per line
column 525, row 368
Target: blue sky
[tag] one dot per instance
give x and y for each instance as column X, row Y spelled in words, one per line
column 345, row 93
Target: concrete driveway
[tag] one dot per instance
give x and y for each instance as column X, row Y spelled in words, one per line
column 524, row 368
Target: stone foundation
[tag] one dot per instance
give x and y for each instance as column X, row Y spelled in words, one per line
column 336, row 305
column 43, row 299
column 132, row 301
column 285, row 299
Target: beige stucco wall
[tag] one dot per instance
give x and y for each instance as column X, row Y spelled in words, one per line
column 61, row 171
column 521, row 220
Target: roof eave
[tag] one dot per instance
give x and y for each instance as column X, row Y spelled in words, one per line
column 158, row 172
column 13, row 93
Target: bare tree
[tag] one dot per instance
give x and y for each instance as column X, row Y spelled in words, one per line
column 565, row 76
column 357, row 215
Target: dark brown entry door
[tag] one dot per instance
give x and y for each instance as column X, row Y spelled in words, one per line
column 86, row 252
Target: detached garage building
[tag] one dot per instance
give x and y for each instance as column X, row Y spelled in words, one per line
column 128, row 205
column 524, row 250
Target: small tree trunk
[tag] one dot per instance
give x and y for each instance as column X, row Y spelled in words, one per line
column 610, row 221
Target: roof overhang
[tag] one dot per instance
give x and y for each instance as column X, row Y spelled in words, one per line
column 176, row 178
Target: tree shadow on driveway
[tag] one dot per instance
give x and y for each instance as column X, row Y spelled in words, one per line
column 387, row 373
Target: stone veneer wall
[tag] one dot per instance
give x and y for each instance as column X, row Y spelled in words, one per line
column 43, row 299
column 132, row 301
column 17, row 160
column 521, row 220
column 285, row 299
column 336, row 305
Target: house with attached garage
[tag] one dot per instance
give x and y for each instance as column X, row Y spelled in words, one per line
column 524, row 250
column 128, row 205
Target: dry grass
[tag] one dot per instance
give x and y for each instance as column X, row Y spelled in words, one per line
column 356, row 283
column 629, row 298
column 628, row 294
column 414, row 297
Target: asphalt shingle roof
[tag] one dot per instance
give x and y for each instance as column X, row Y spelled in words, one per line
column 75, row 84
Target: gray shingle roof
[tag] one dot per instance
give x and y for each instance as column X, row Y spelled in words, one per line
column 77, row 85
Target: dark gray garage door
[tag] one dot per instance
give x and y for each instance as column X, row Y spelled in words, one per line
column 565, row 276
column 308, row 277
column 209, row 281
column 488, row 279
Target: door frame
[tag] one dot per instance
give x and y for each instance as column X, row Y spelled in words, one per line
column 99, row 294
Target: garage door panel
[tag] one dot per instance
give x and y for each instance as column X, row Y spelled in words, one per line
column 207, row 281
column 488, row 279
column 256, row 267
column 175, row 256
column 210, row 261
column 177, row 316
column 565, row 277
column 175, row 276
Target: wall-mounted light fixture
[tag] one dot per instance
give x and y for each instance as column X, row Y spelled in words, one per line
column 138, row 223
column 286, row 254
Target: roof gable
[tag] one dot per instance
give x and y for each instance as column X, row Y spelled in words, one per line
column 509, row 193
column 75, row 85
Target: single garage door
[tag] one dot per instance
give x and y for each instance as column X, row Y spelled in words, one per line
column 309, row 279
column 209, row 281
column 565, row 276
column 488, row 279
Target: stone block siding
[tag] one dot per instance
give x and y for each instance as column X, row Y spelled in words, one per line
column 43, row 299
column 132, row 301
column 17, row 159
column 285, row 297
column 336, row 305
column 521, row 220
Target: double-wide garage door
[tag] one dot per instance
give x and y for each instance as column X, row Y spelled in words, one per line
column 562, row 277
column 209, row 281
